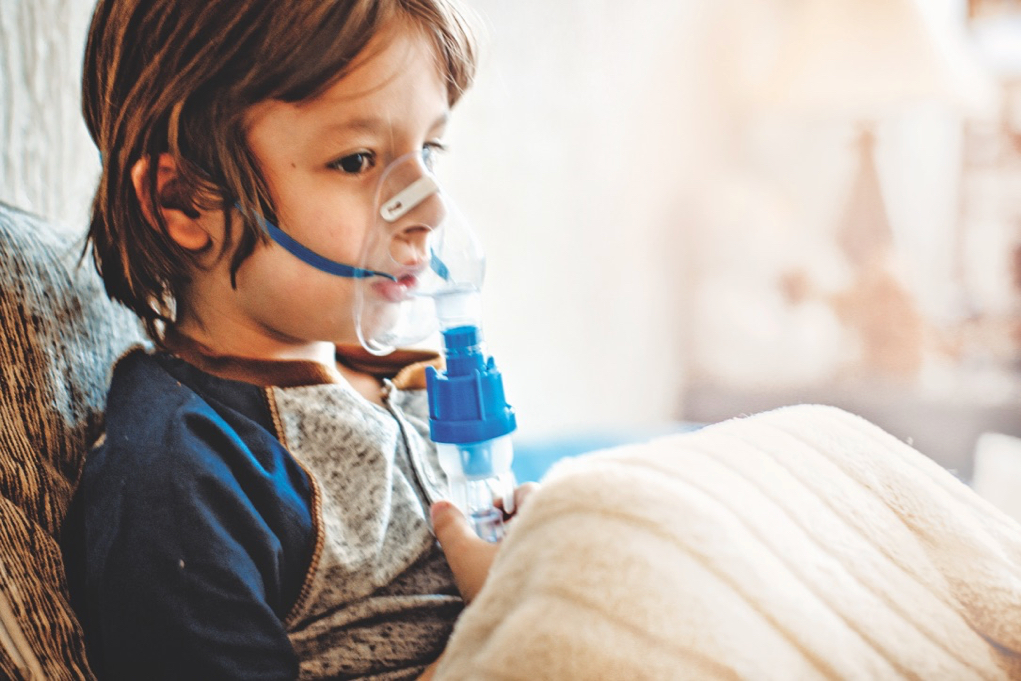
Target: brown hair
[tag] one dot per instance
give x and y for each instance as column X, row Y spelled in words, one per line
column 177, row 76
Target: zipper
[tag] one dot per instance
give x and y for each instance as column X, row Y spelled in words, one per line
column 425, row 480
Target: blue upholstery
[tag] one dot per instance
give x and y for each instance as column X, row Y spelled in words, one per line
column 533, row 456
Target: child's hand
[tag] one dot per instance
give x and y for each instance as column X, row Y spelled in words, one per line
column 469, row 556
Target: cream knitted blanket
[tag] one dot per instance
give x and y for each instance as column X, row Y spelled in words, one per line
column 803, row 543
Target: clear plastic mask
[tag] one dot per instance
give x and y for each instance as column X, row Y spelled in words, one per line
column 420, row 250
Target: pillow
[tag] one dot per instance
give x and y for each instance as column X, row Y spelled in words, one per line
column 60, row 336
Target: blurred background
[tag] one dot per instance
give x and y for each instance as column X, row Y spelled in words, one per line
column 698, row 210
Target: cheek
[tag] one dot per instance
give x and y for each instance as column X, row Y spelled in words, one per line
column 273, row 284
column 335, row 225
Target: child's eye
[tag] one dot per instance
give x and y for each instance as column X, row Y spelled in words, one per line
column 355, row 164
column 430, row 152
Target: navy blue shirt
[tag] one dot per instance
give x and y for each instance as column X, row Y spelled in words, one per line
column 191, row 532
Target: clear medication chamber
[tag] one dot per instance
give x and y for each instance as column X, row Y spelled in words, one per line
column 470, row 420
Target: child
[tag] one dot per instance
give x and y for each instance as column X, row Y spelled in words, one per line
column 257, row 508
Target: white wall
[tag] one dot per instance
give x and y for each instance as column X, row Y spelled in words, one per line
column 48, row 164
column 569, row 156
column 573, row 153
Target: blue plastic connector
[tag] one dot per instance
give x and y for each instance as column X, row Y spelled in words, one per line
column 467, row 402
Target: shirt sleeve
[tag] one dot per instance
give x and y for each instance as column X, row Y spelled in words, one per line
column 184, row 562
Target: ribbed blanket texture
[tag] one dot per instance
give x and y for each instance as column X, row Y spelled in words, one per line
column 803, row 543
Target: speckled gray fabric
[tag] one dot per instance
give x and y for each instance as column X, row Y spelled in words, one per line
column 380, row 602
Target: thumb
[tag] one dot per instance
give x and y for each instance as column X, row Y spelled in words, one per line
column 451, row 527
column 469, row 556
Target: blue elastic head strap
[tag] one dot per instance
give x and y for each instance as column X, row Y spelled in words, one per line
column 317, row 261
column 324, row 264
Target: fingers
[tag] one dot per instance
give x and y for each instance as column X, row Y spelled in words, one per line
column 469, row 556
column 521, row 493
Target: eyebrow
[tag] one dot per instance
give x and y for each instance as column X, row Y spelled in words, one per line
column 375, row 124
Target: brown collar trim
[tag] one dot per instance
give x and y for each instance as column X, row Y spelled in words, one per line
column 389, row 366
column 291, row 373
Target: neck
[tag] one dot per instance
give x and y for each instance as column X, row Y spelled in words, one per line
column 367, row 385
column 225, row 334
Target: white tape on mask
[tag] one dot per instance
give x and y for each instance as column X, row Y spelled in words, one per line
column 409, row 197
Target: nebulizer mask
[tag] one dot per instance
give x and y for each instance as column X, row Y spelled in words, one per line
column 421, row 270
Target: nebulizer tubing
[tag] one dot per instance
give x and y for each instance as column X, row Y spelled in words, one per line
column 469, row 418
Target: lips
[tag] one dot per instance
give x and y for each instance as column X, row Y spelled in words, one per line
column 396, row 291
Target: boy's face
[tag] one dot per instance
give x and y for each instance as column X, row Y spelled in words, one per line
column 322, row 160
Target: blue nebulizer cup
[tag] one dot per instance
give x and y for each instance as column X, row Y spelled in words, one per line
column 469, row 418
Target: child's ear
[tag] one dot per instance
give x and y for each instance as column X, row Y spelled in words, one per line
column 182, row 218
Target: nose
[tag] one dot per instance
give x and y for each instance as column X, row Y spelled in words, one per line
column 410, row 247
column 412, row 209
column 413, row 232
